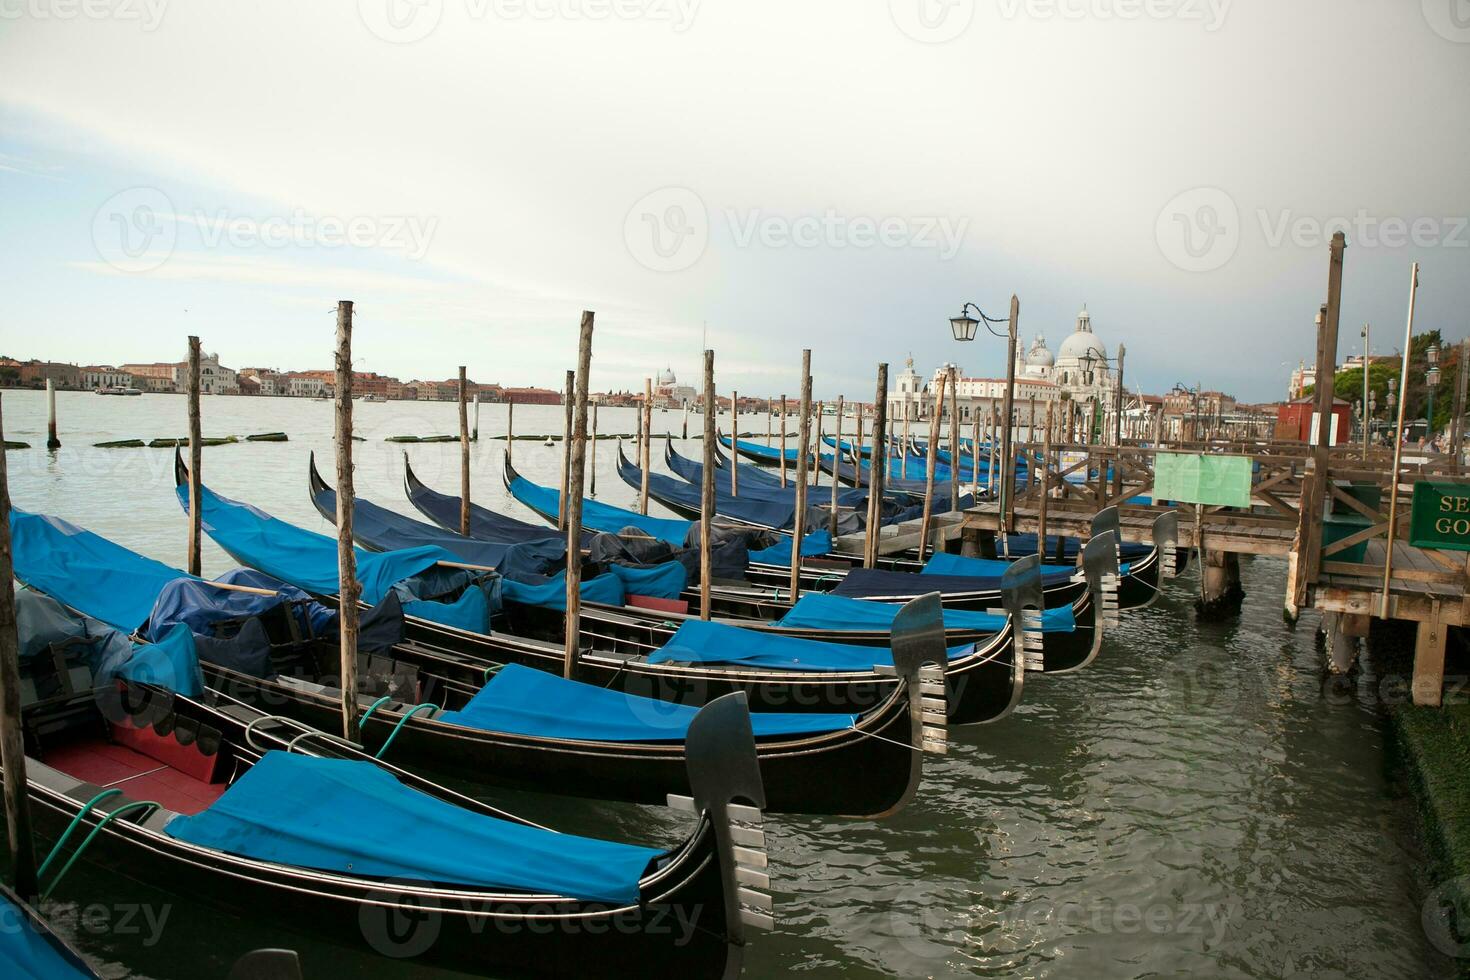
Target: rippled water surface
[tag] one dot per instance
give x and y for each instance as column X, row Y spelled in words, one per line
column 1189, row 805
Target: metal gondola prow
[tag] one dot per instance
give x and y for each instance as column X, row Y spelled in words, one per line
column 1100, row 568
column 1107, row 520
column 725, row 779
column 1022, row 596
column 1166, row 542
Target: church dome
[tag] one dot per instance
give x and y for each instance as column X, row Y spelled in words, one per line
column 1076, row 347
column 666, row 377
column 1039, row 356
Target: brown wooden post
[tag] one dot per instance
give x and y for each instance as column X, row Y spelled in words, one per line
column 798, row 522
column 903, row 450
column 569, row 397
column 1312, row 503
column 956, row 454
column 770, row 411
column 12, row 741
column 1428, row 684
column 783, row 442
column 817, row 450
column 1457, row 425
column 975, row 451
column 836, row 467
column 1118, row 426
column 1045, row 478
column 931, row 458
column 1007, row 453
column 1398, row 437
column 349, row 590
column 592, row 454
column 196, row 461
column 645, row 429
column 510, row 427
column 574, row 501
column 857, row 466
column 475, row 435
column 735, row 425
column 878, row 468
column 464, row 454
column 707, row 483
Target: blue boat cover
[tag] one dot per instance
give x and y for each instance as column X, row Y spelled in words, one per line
column 664, row 581
column 815, row 610
column 869, row 583
column 692, row 470
column 699, row 642
column 691, row 475
column 289, row 809
column 471, row 611
column 525, row 701
column 199, row 605
column 86, row 571
column 26, row 953
column 599, row 516
column 381, row 529
column 814, row 544
column 172, row 663
column 485, row 524
column 551, row 592
column 942, row 563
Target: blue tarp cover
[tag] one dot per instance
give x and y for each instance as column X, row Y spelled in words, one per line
column 552, row 593
column 942, row 563
column 666, row 581
column 599, row 516
column 863, row 583
column 814, row 610
column 199, row 605
column 27, row 954
column 471, row 611
column 485, row 524
column 769, row 508
column 524, row 701
column 86, row 571
column 814, row 544
column 716, row 643
column 289, row 809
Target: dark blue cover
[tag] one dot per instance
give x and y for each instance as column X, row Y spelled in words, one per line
column 289, row 809
column 485, row 524
column 699, row 642
column 524, row 701
column 665, row 581
column 26, row 953
column 759, row 510
column 867, row 583
column 816, row 610
column 599, row 516
column 692, row 474
column 199, row 605
column 943, row 563
column 692, row 470
column 814, row 544
column 551, row 591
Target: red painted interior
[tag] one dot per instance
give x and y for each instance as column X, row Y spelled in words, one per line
column 662, row 605
column 166, row 749
column 141, row 776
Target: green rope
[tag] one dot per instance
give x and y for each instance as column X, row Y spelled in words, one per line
column 107, row 818
column 362, row 722
column 66, row 835
column 491, row 671
column 401, row 721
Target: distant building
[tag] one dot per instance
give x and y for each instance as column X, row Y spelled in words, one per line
column 103, row 376
column 532, row 396
column 305, row 385
column 669, row 393
column 214, row 377
column 37, row 373
column 1301, row 379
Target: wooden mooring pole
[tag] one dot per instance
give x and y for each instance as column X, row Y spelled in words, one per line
column 816, row 449
column 566, row 450
column 577, row 464
column 707, row 486
column 932, row 457
column 798, row 521
column 735, row 426
column 877, row 467
column 592, row 455
column 52, row 440
column 510, row 428
column 645, row 428
column 349, row 590
column 1398, row 441
column 956, row 455
column 464, row 455
column 196, row 463
column 836, row 469
column 1007, row 453
column 783, row 443
column 12, row 741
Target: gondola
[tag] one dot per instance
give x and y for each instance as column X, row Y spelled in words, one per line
column 759, row 480
column 30, row 950
column 641, row 618
column 260, row 817
column 520, row 727
column 982, row 680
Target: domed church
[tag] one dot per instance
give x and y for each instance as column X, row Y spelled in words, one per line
column 1081, row 365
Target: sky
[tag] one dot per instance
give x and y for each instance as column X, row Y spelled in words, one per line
column 770, row 176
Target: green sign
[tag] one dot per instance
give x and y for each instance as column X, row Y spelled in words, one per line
column 1441, row 516
column 1193, row 478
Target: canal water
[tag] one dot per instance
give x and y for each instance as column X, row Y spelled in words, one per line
column 1195, row 803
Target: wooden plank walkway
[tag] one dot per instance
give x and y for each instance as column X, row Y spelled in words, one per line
column 1250, row 534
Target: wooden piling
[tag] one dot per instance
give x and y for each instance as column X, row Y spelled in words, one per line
column 1045, row 484
column 836, row 468
column 798, row 522
column 52, row 440
column 1007, row 454
column 12, row 741
column 956, row 455
column 510, row 428
column 475, row 435
column 464, row 454
column 1457, row 423
column 569, row 397
column 196, row 463
column 349, row 590
column 878, row 468
column 645, row 428
column 592, row 451
column 1398, row 437
column 975, row 454
column 783, row 443
column 735, row 427
column 576, row 469
column 903, row 451
column 707, row 487
column 817, row 450
column 770, row 411
column 931, row 458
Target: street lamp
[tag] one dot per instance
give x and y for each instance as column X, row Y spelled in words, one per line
column 964, row 328
column 964, row 325
column 1431, row 379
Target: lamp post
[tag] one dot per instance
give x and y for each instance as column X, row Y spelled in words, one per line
column 964, row 328
column 1431, row 380
column 1366, row 402
column 1393, row 398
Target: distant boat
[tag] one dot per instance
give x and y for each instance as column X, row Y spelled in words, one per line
column 118, row 390
column 373, row 398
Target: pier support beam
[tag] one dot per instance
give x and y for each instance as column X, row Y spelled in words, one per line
column 1429, row 661
column 1220, row 591
column 1342, row 631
